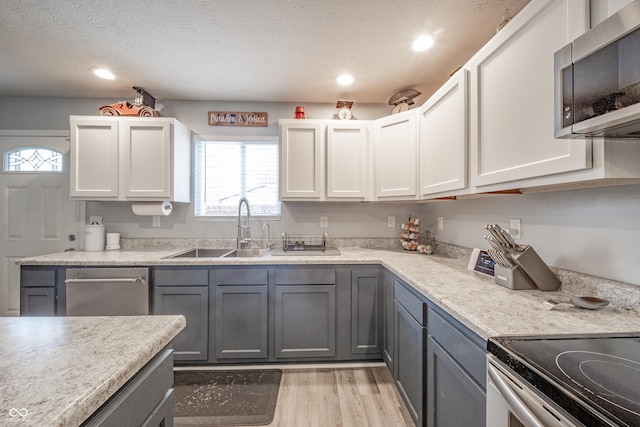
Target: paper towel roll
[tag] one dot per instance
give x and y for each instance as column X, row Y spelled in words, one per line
column 152, row 208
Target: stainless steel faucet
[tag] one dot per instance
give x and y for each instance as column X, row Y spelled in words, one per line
column 269, row 242
column 244, row 231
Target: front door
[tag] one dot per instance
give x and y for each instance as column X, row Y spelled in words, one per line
column 37, row 216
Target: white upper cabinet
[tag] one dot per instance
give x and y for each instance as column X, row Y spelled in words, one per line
column 395, row 140
column 511, row 97
column 324, row 159
column 443, row 138
column 130, row 158
column 348, row 159
column 302, row 164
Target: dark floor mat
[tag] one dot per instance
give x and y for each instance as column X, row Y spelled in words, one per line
column 225, row 398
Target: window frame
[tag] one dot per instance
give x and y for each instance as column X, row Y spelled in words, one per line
column 7, row 153
column 239, row 139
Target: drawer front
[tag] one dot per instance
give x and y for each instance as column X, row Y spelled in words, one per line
column 180, row 277
column 462, row 349
column 37, row 278
column 241, row 276
column 306, row 276
column 414, row 305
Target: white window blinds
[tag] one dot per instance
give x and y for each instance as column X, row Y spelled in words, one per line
column 225, row 171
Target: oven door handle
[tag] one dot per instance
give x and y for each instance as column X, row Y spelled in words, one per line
column 516, row 405
column 105, row 280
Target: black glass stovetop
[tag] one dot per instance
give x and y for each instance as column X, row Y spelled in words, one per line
column 596, row 378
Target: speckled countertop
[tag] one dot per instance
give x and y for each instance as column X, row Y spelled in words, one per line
column 57, row 371
column 474, row 299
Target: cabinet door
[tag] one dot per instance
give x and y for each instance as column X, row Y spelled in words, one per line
column 191, row 302
column 302, row 152
column 409, row 368
column 305, row 321
column 395, row 153
column 443, row 138
column 94, row 159
column 347, row 159
column 512, row 89
column 147, row 158
column 447, row 379
column 37, row 301
column 388, row 313
column 241, row 322
column 366, row 333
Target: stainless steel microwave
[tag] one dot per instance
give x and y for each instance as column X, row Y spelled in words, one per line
column 597, row 80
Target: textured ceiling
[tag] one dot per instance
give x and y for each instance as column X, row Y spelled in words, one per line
column 246, row 50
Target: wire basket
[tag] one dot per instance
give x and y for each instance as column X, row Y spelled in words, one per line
column 304, row 242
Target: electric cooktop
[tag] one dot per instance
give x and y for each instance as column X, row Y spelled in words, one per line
column 596, row 378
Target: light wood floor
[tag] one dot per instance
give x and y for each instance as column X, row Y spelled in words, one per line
column 345, row 397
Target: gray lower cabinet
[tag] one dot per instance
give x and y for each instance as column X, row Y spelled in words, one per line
column 41, row 291
column 241, row 313
column 388, row 309
column 366, row 312
column 305, row 313
column 145, row 400
column 410, row 332
column 456, row 368
column 185, row 292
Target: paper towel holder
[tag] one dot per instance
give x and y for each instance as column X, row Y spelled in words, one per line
column 152, row 208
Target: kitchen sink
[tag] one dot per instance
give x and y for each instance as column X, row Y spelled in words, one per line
column 221, row 253
column 246, row 253
column 202, row 253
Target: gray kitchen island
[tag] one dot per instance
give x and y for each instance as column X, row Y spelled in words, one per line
column 65, row 371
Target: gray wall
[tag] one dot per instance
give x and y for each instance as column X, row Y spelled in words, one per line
column 345, row 219
column 594, row 231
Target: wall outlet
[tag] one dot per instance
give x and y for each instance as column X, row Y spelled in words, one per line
column 515, row 228
column 391, row 221
column 155, row 221
column 324, row 221
column 440, row 223
column 95, row 220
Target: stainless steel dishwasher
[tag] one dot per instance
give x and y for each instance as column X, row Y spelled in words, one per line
column 107, row 291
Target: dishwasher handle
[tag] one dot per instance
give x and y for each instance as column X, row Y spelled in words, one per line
column 515, row 404
column 107, row 280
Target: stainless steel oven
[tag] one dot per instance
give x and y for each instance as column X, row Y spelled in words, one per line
column 597, row 80
column 512, row 402
column 564, row 380
column 107, row 291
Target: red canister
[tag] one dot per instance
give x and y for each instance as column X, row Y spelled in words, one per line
column 299, row 114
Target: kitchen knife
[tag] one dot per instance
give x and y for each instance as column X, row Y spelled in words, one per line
column 512, row 242
column 495, row 244
column 494, row 256
column 494, row 229
column 494, row 234
column 499, row 258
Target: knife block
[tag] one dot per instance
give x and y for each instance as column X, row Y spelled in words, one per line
column 511, row 278
column 535, row 270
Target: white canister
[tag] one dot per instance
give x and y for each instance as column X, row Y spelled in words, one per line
column 94, row 238
column 113, row 241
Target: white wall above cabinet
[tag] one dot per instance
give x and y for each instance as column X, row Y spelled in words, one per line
column 324, row 160
column 130, row 158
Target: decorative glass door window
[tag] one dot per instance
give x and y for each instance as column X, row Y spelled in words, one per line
column 34, row 159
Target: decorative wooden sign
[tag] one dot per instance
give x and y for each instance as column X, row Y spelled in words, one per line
column 234, row 118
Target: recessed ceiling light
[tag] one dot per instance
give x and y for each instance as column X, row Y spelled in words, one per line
column 345, row 79
column 422, row 43
column 104, row 73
